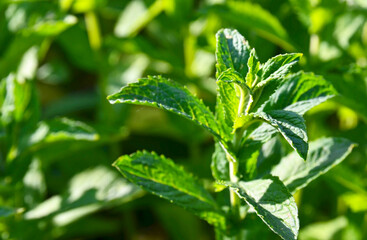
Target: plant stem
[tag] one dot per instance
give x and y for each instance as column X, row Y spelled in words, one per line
column 94, row 34
column 235, row 201
column 233, row 175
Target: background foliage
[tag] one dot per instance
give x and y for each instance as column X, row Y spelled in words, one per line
column 59, row 135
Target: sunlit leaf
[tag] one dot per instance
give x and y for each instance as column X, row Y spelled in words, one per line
column 272, row 203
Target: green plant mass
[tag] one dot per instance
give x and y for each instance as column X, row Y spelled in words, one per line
column 183, row 119
column 255, row 102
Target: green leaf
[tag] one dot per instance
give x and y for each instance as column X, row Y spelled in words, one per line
column 325, row 230
column 254, row 17
column 61, row 129
column 270, row 155
column 232, row 51
column 291, row 126
column 247, row 158
column 88, row 191
column 17, row 97
column 136, row 16
column 272, row 203
column 253, row 65
column 300, row 93
column 160, row 176
column 324, row 154
column 234, row 99
column 51, row 27
column 166, row 94
column 54, row 133
column 272, row 75
column 220, row 164
column 279, row 66
column 303, row 10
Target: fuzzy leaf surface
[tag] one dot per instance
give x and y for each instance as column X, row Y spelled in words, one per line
column 163, row 93
column 273, row 203
column 160, row 176
column 324, row 154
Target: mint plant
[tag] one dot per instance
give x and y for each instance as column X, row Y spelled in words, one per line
column 255, row 101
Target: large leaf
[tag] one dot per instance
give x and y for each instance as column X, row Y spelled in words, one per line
column 135, row 17
column 254, row 17
column 324, row 154
column 272, row 74
column 299, row 93
column 291, row 125
column 327, row 230
column 160, row 176
column 89, row 191
column 232, row 51
column 272, row 203
column 58, row 130
column 166, row 94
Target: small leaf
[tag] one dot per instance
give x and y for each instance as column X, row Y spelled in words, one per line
column 17, row 96
column 52, row 27
column 279, row 66
column 253, row 65
column 220, row 164
column 166, row 94
column 242, row 120
column 324, row 154
column 234, row 99
column 232, row 51
column 160, row 176
column 272, row 203
column 291, row 126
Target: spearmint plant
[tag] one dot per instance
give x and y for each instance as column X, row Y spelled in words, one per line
column 255, row 102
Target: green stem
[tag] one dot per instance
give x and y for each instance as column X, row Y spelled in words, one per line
column 314, row 45
column 94, row 34
column 154, row 10
column 233, row 174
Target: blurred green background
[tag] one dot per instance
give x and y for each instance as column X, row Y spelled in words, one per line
column 59, row 136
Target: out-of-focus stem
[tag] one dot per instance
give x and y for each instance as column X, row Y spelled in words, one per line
column 94, row 34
